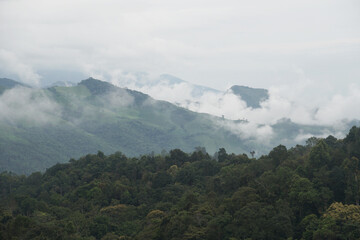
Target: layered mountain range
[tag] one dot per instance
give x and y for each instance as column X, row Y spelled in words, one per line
column 40, row 127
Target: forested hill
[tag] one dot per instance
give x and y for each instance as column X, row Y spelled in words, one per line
column 6, row 83
column 306, row 192
column 40, row 127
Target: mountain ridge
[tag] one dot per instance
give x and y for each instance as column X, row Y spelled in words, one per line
column 252, row 96
column 99, row 116
column 96, row 115
column 7, row 83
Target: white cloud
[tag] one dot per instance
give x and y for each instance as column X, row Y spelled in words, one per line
column 118, row 99
column 340, row 107
column 304, row 52
column 10, row 63
column 206, row 42
column 25, row 105
column 301, row 102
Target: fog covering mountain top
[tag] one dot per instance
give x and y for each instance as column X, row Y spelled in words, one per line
column 6, row 83
column 40, row 127
column 303, row 102
column 252, row 96
column 61, row 84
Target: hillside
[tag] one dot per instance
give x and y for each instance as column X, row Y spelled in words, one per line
column 40, row 127
column 306, row 192
column 252, row 96
column 6, row 83
column 96, row 115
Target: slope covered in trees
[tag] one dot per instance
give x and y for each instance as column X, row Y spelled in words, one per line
column 40, row 127
column 6, row 83
column 306, row 192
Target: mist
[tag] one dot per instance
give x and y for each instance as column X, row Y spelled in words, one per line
column 28, row 106
column 210, row 43
column 306, row 54
column 303, row 102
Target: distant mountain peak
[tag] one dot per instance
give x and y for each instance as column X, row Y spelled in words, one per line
column 171, row 79
column 9, row 83
column 61, row 84
column 6, row 83
column 252, row 96
column 97, row 87
column 239, row 87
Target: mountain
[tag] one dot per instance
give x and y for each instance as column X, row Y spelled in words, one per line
column 169, row 85
column 142, row 82
column 252, row 96
column 61, row 84
column 40, row 127
column 6, row 83
column 197, row 90
column 60, row 123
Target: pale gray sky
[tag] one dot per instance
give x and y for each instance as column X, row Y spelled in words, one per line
column 257, row 43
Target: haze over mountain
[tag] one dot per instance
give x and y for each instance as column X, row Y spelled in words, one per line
column 252, row 96
column 6, row 83
column 190, row 119
column 61, row 84
column 309, row 65
column 43, row 126
column 303, row 102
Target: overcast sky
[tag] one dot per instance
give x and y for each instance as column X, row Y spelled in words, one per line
column 213, row 43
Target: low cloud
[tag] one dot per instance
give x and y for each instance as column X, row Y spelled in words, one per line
column 303, row 102
column 11, row 64
column 118, row 99
column 259, row 133
column 25, row 105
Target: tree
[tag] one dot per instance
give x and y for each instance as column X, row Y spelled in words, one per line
column 278, row 155
column 319, row 156
column 303, row 196
column 352, row 141
column 340, row 220
column 311, row 142
column 161, row 179
column 177, row 157
column 99, row 227
column 352, row 177
column 222, row 155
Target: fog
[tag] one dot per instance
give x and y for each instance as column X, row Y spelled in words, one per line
column 302, row 103
column 218, row 44
column 306, row 53
column 256, row 126
column 28, row 106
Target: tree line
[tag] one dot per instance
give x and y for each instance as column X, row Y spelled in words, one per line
column 306, row 192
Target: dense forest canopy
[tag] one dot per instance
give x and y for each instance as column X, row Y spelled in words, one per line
column 305, row 192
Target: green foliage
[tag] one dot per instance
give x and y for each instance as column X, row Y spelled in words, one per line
column 306, row 192
column 96, row 115
column 319, row 155
column 278, row 155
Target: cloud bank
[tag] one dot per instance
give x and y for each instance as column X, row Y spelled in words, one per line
column 26, row 105
column 303, row 103
column 210, row 43
column 306, row 53
column 11, row 64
